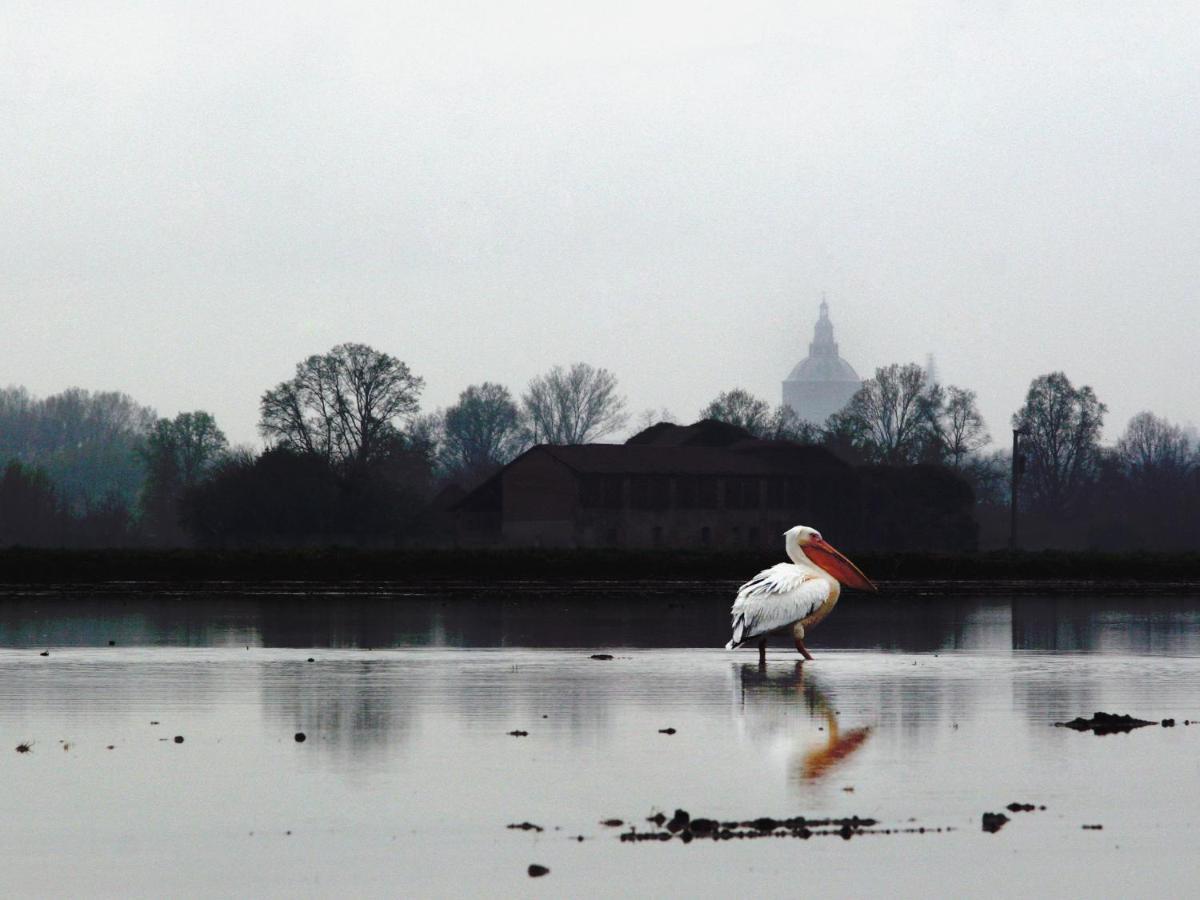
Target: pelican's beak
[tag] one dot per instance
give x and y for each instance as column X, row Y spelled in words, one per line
column 832, row 561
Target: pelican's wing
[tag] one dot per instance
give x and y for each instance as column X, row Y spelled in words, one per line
column 774, row 598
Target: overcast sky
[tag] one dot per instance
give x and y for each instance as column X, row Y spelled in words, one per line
column 196, row 196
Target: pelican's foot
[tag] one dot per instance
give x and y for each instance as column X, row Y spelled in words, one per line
column 802, row 650
column 762, row 652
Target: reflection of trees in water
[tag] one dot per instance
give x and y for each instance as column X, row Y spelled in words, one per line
column 769, row 699
column 348, row 707
column 1144, row 625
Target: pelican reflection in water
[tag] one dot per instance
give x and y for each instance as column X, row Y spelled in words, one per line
column 778, row 693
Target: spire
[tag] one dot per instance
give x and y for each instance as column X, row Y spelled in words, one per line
column 823, row 343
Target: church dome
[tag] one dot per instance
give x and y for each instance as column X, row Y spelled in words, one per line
column 823, row 362
column 822, row 383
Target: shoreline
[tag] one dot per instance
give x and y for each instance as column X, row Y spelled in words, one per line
column 588, row 571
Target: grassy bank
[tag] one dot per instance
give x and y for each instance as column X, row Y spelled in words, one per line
column 40, row 566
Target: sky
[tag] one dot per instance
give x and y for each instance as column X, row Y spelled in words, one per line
column 196, row 196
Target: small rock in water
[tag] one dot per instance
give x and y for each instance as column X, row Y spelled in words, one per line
column 993, row 822
column 602, row 656
column 679, row 822
column 657, row 819
column 536, row 871
column 1093, row 827
column 301, row 737
column 666, row 731
column 612, row 823
column 24, row 746
column 519, row 733
column 44, row 653
column 179, row 738
column 310, row 659
column 110, row 747
column 1168, row 723
column 526, row 826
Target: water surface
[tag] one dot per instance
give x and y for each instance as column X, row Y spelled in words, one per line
column 916, row 716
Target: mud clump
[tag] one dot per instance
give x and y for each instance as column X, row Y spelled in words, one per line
column 536, row 871
column 687, row 828
column 1102, row 723
column 526, row 826
column 993, row 822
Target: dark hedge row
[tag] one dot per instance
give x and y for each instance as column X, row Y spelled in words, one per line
column 25, row 566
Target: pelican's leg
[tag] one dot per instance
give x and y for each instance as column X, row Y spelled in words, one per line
column 762, row 651
column 798, row 635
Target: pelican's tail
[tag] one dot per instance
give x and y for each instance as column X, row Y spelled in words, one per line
column 739, row 627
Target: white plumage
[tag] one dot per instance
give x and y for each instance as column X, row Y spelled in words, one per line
column 775, row 598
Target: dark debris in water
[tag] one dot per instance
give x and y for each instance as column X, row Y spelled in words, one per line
column 993, row 822
column 602, row 656
column 519, row 733
column 612, row 823
column 536, row 871
column 24, row 746
column 1105, row 723
column 526, row 826
column 1093, row 827
column 666, row 731
column 688, row 828
column 1022, row 807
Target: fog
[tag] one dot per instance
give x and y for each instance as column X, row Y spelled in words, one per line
column 196, row 197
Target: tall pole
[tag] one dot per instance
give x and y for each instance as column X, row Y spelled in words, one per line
column 1018, row 466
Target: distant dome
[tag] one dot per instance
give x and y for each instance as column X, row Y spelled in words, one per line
column 818, row 368
column 821, row 383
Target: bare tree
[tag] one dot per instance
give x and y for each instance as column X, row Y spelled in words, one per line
column 573, row 406
column 1153, row 449
column 344, row 406
column 963, row 430
column 648, row 417
column 178, row 453
column 481, row 431
column 741, row 408
column 1062, row 447
column 892, row 418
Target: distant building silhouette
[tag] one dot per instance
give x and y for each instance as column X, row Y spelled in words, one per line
column 710, row 484
column 822, row 383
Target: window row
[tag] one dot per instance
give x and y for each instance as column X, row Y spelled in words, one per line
column 650, row 492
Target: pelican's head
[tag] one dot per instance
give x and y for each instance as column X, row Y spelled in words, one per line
column 805, row 545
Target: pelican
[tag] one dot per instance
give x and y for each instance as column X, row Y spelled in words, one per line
column 794, row 595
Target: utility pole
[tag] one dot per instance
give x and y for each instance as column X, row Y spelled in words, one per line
column 1018, row 469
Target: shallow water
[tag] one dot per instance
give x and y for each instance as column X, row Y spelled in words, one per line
column 408, row 777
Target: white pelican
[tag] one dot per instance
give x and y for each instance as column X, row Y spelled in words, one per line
column 794, row 595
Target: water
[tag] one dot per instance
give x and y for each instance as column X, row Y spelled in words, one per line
column 924, row 712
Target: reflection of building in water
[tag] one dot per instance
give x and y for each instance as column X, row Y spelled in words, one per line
column 821, row 383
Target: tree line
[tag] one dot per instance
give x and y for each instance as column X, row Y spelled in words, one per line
column 350, row 457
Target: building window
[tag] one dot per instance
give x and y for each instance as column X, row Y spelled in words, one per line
column 741, row 493
column 600, row 492
column 649, row 492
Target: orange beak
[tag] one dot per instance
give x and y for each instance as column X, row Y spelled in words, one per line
column 832, row 561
